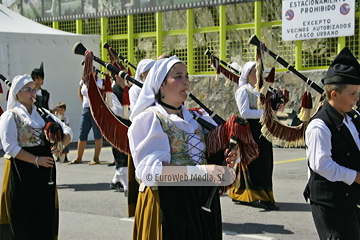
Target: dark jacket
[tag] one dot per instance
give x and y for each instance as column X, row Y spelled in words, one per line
column 44, row 99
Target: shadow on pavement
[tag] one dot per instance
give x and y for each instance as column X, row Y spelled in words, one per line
column 293, row 207
column 288, row 207
column 255, row 228
column 86, row 187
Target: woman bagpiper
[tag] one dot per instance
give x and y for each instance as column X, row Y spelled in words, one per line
column 163, row 133
column 254, row 185
column 29, row 204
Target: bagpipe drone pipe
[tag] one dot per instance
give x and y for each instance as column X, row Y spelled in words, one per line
column 98, row 70
column 53, row 130
column 119, row 56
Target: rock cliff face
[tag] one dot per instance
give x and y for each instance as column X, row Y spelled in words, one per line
column 217, row 93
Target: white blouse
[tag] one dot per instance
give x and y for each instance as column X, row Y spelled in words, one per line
column 149, row 144
column 318, row 141
column 8, row 130
column 116, row 108
column 242, row 100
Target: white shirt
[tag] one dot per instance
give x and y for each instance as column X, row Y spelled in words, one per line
column 134, row 92
column 85, row 102
column 242, row 100
column 38, row 92
column 116, row 108
column 318, row 141
column 8, row 130
column 149, row 144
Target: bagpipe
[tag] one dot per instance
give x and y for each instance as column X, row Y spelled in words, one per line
column 53, row 130
column 278, row 97
column 306, row 103
column 271, row 127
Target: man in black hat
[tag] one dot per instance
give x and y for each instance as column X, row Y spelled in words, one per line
column 42, row 96
column 333, row 143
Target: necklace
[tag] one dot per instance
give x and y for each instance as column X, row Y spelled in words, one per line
column 170, row 107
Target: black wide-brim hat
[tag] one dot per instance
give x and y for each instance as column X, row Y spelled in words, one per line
column 345, row 69
column 39, row 71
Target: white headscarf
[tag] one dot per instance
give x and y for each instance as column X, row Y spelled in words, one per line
column 151, row 87
column 143, row 66
column 18, row 83
column 245, row 72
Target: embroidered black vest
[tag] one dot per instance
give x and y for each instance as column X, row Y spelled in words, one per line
column 344, row 152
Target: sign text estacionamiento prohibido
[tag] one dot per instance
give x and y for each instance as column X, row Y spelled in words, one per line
column 310, row 19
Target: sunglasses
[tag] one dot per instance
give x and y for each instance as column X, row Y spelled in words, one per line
column 29, row 90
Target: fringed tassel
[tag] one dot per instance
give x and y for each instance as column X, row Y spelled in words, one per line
column 216, row 65
column 129, row 72
column 218, row 139
column 240, row 128
column 54, row 134
column 125, row 102
column 88, row 67
column 114, row 131
column 306, row 107
column 260, row 102
column 108, row 90
column 272, row 129
column 121, row 66
column 265, row 88
column 268, row 81
column 113, row 61
column 259, row 70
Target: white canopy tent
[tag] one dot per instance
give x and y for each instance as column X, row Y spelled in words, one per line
column 24, row 44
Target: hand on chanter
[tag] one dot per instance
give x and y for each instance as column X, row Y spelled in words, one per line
column 232, row 156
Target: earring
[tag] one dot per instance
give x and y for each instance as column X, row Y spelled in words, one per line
column 162, row 95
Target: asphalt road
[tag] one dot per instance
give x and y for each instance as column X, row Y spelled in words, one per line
column 90, row 210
